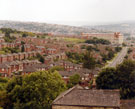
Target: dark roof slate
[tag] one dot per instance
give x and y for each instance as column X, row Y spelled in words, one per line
column 83, row 97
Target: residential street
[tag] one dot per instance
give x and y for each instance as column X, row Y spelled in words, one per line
column 119, row 58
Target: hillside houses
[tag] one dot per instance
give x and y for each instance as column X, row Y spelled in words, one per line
column 33, row 68
column 55, row 57
column 17, row 56
column 8, row 68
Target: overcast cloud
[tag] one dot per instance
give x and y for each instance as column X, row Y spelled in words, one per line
column 73, row 12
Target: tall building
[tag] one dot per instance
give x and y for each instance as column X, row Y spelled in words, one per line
column 114, row 38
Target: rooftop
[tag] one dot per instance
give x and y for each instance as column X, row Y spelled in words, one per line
column 86, row 97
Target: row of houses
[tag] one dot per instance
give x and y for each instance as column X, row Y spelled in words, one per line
column 8, row 68
column 55, row 57
column 33, row 40
column 9, row 45
column 68, row 66
column 33, row 68
column 18, row 56
column 2, row 40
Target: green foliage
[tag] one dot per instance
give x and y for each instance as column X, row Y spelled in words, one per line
column 34, row 91
column 98, row 41
column 3, row 82
column 118, row 49
column 89, row 61
column 9, row 39
column 75, row 57
column 74, row 40
column 110, row 55
column 73, row 80
column 40, row 58
column 22, row 42
column 22, row 48
column 107, row 79
column 56, row 68
column 123, row 44
column 83, row 47
column 129, row 50
column 24, row 35
column 89, row 48
column 70, row 45
column 8, row 30
column 123, row 78
column 4, row 100
column 11, row 50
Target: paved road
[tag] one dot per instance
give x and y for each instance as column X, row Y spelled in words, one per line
column 119, row 58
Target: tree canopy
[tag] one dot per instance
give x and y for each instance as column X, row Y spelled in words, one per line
column 34, row 91
column 122, row 78
column 89, row 61
column 74, row 80
column 98, row 41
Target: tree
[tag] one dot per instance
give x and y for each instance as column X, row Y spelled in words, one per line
column 40, row 58
column 129, row 50
column 110, row 55
column 122, row 78
column 118, row 49
column 74, row 80
column 24, row 35
column 89, row 61
column 22, row 48
column 57, row 68
column 4, row 100
column 34, row 91
column 3, row 82
column 126, row 78
column 97, row 41
column 107, row 79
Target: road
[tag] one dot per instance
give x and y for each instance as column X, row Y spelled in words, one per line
column 119, row 58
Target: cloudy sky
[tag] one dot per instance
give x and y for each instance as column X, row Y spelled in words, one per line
column 72, row 12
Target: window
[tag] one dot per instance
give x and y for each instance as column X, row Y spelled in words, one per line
column 2, row 69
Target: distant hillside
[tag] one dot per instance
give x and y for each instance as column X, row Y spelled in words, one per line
column 127, row 28
column 44, row 27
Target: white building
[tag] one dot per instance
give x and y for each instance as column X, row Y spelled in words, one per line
column 114, row 38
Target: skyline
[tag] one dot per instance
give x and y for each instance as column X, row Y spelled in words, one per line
column 75, row 13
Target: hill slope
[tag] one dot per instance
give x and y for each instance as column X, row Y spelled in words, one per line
column 44, row 27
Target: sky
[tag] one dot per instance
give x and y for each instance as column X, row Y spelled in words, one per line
column 68, row 12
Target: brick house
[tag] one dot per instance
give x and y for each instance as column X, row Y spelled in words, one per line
column 15, row 66
column 27, row 48
column 5, row 70
column 3, row 58
column 50, row 51
column 21, row 56
column 78, row 98
column 41, row 48
column 2, row 40
column 68, row 66
column 15, row 56
column 52, row 58
column 85, row 74
column 9, row 57
column 33, row 68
